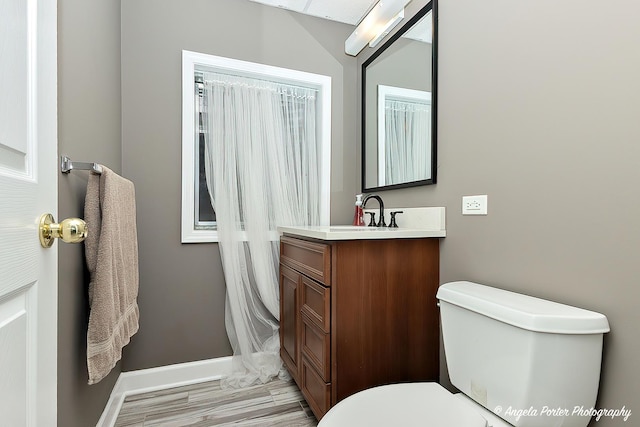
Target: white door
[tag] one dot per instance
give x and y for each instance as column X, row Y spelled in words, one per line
column 28, row 188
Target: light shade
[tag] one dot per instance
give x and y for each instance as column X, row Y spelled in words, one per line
column 380, row 20
column 387, row 29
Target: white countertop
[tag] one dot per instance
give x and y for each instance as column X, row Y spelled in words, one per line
column 413, row 223
column 350, row 232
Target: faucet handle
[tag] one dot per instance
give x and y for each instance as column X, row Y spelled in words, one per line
column 372, row 223
column 393, row 219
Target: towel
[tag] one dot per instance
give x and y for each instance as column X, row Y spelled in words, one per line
column 111, row 251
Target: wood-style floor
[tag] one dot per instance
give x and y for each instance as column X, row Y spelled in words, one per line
column 278, row 403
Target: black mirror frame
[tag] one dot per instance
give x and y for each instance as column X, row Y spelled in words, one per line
column 433, row 6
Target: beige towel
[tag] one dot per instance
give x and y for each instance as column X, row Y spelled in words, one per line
column 111, row 250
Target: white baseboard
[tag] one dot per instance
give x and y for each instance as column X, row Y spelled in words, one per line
column 146, row 380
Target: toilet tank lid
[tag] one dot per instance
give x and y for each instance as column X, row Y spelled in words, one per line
column 523, row 311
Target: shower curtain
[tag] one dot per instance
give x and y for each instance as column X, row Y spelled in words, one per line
column 261, row 162
column 407, row 141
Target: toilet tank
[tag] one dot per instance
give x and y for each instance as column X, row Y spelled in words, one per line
column 533, row 362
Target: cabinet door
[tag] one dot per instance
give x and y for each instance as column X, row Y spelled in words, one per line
column 289, row 319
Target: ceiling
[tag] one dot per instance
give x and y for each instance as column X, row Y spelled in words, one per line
column 346, row 11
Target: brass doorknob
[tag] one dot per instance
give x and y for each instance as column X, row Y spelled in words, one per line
column 71, row 230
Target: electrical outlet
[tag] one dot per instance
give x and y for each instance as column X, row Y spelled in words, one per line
column 474, row 205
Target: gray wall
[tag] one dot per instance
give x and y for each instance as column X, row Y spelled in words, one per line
column 88, row 130
column 538, row 108
column 182, row 287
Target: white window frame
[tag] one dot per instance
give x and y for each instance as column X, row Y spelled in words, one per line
column 193, row 62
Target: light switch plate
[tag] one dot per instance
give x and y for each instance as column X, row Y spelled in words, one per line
column 474, row 205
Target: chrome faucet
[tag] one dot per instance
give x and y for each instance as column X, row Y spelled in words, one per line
column 381, row 222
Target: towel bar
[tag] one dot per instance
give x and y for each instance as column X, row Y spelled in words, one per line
column 66, row 166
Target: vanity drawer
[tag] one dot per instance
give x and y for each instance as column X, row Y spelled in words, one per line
column 316, row 346
column 316, row 303
column 310, row 258
column 315, row 390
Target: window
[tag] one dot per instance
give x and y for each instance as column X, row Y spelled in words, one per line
column 198, row 215
column 204, row 214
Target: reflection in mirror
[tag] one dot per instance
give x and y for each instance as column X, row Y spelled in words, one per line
column 404, row 135
column 399, row 109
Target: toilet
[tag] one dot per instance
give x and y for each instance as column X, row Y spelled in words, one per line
column 517, row 361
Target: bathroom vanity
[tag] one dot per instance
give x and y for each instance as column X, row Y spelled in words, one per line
column 357, row 309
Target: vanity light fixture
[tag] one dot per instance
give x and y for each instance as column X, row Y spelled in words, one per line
column 387, row 28
column 380, row 20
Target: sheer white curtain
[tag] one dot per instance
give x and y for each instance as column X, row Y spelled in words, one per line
column 261, row 163
column 407, row 141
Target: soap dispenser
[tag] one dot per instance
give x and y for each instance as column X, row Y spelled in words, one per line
column 358, row 216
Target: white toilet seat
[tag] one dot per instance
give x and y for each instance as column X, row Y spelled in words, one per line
column 406, row 405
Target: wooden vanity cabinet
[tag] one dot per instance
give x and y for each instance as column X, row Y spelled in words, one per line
column 355, row 314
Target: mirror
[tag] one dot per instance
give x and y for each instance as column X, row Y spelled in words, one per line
column 399, row 107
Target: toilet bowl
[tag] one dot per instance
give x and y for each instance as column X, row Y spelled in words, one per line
column 507, row 353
